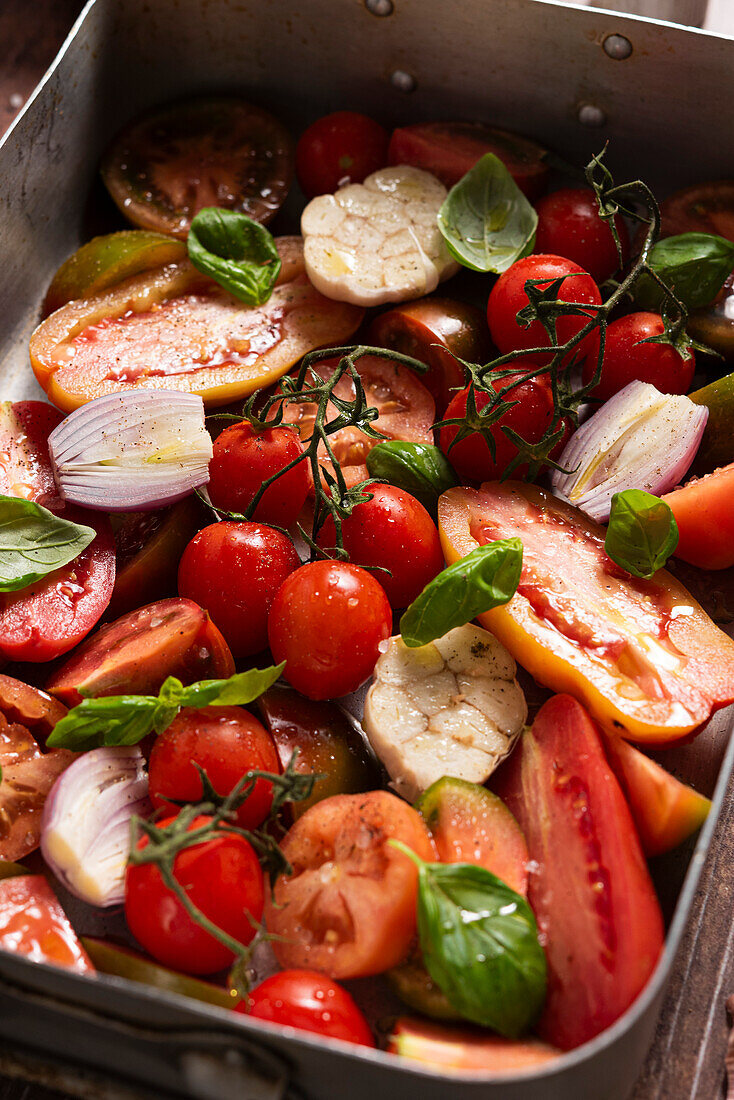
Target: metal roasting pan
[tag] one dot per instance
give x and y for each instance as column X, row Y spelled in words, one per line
column 543, row 68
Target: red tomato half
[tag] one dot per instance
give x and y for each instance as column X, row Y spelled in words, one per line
column 705, row 517
column 243, row 459
column 628, row 359
column 569, row 225
column 597, row 913
column 311, row 1002
column 344, row 147
column 32, row 923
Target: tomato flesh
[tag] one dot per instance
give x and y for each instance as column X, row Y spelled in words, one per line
column 597, row 913
column 309, row 1001
column 702, row 208
column 32, row 923
column 703, row 512
column 457, row 1048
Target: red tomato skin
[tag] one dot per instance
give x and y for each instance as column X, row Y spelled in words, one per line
column 234, row 571
column 309, row 1001
column 344, row 147
column 569, row 225
column 227, row 742
column 393, row 530
column 32, row 923
column 626, row 359
column 222, row 877
column 243, row 459
column 533, row 413
column 598, row 916
column 703, row 512
column 508, row 297
column 326, row 622
column 26, row 471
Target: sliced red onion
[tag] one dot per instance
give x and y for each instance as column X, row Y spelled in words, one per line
column 85, row 828
column 132, row 451
column 639, row 439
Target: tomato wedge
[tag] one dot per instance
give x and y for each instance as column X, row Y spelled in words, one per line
column 173, row 328
column 642, row 655
column 33, row 923
column 149, row 546
column 705, row 517
column 466, row 1048
column 597, row 913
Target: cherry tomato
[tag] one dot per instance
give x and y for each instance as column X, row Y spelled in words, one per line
column 326, row 622
column 569, row 225
column 243, row 459
column 392, row 530
column 234, row 570
column 471, row 456
column 627, row 358
column 508, row 297
column 341, row 148
column 221, row 876
column 310, row 1001
column 227, row 742
column 703, row 512
column 348, row 908
column 591, row 892
column 33, row 923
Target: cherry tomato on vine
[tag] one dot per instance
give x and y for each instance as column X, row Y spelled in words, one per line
column 569, row 225
column 326, row 622
column 393, row 530
column 310, row 1001
column 222, row 877
column 627, row 358
column 234, row 570
column 227, row 742
column 508, row 297
column 243, row 459
column 343, row 147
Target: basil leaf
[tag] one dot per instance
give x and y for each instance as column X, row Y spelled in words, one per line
column 694, row 265
column 419, row 468
column 34, row 542
column 485, row 578
column 238, row 690
column 486, row 220
column 642, row 532
column 236, row 252
column 479, row 941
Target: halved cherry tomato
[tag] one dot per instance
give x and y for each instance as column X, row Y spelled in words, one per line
column 309, row 1001
column 628, row 358
column 234, row 570
column 348, row 908
column 641, row 654
column 243, row 459
column 569, row 225
column 450, row 149
column 597, row 913
column 222, row 877
column 162, row 168
column 664, row 810
column 173, row 328
column 136, row 653
column 344, row 147
column 705, row 517
column 466, row 1048
column 33, row 923
column 436, row 331
column 227, row 742
column 702, row 208
column 406, row 411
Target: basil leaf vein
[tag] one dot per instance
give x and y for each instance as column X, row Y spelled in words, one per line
column 236, row 251
column 34, row 542
column 642, row 532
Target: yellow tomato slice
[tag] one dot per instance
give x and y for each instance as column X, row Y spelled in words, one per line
column 173, row 328
column 641, row 654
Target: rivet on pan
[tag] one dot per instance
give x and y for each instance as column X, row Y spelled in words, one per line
column 379, row 7
column 589, row 115
column 616, row 46
column 403, row 81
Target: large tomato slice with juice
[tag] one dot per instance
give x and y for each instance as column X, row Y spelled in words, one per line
column 597, row 913
column 173, row 328
column 46, row 619
column 641, row 654
column 33, row 923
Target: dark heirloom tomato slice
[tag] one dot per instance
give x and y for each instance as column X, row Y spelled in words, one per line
column 33, row 923
column 136, row 653
column 173, row 328
column 598, row 917
column 702, row 208
column 450, row 149
column 641, row 654
column 161, row 169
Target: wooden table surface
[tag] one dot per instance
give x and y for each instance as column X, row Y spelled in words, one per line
column 686, row 1061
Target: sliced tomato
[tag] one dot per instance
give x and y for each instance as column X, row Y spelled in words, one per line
column 450, row 149
column 215, row 151
column 641, row 654
column 173, row 328
column 597, row 913
column 29, row 706
column 665, row 811
column 33, row 923
column 25, row 467
column 705, row 517
column 702, row 208
column 406, row 411
column 136, row 653
column 466, row 1048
